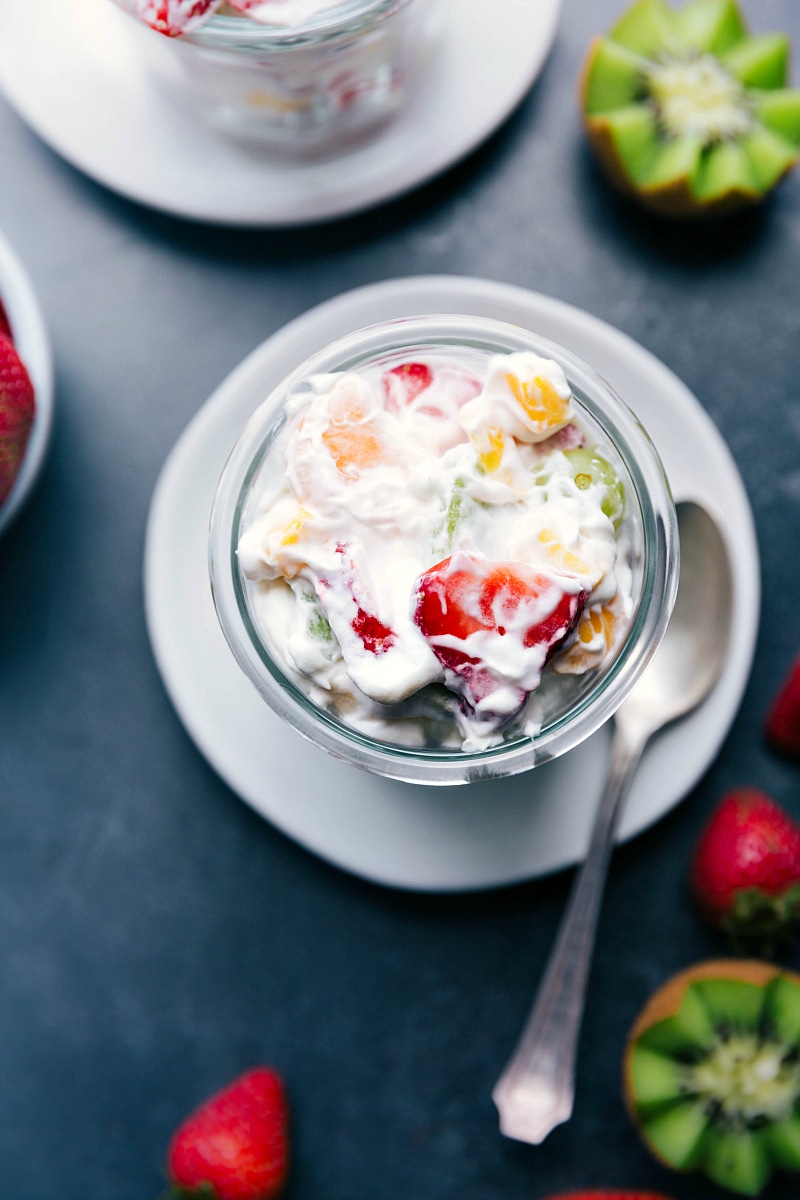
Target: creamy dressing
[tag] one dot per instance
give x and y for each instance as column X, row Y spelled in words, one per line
column 425, row 525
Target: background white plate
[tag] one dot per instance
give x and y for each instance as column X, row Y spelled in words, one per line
column 32, row 342
column 74, row 71
column 455, row 838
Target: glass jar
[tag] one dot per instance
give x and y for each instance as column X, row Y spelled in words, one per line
column 302, row 88
column 576, row 705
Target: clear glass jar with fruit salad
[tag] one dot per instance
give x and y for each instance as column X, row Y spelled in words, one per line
column 444, row 549
column 303, row 76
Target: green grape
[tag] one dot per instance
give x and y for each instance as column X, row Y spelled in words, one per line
column 590, row 469
column 319, row 626
column 452, row 515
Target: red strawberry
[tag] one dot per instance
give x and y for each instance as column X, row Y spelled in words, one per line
column 375, row 637
column 234, row 1146
column 746, row 868
column 605, row 1194
column 403, row 384
column 783, row 719
column 5, row 324
column 468, row 594
column 174, row 17
column 17, row 409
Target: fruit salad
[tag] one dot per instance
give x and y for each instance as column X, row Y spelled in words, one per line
column 436, row 544
column 301, row 75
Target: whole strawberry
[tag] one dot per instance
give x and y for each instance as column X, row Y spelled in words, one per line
column 234, row 1146
column 606, row 1194
column 5, row 324
column 745, row 872
column 17, row 408
column 783, row 719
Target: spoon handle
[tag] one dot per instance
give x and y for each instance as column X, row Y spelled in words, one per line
column 536, row 1091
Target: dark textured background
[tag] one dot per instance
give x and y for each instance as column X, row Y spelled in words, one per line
column 157, row 936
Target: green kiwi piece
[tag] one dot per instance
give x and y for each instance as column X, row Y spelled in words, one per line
column 760, row 62
column 738, row 1160
column 770, row 156
column 677, row 1134
column 679, row 105
column 645, row 27
column 712, row 1073
column 682, row 1033
column 780, row 1015
column 590, row 469
column 779, row 110
column 616, row 78
column 676, row 160
column 710, row 26
column 732, row 1004
column 725, row 170
column 784, row 1143
column 656, row 1079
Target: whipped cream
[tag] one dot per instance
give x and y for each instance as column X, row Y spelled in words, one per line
column 426, row 537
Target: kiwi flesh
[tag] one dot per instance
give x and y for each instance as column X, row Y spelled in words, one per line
column 689, row 112
column 712, row 1073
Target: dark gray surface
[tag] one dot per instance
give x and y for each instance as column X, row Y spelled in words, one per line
column 157, row 936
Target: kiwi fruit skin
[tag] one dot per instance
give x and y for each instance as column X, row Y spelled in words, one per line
column 666, row 1002
column 678, row 197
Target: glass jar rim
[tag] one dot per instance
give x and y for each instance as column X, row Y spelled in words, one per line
column 648, row 623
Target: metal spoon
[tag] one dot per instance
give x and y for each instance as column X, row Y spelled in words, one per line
column 536, row 1091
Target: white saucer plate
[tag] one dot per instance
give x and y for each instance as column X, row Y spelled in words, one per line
column 432, row 839
column 74, row 71
column 32, row 342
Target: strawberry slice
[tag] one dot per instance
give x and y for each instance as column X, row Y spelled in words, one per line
column 175, row 17
column 374, row 636
column 782, row 726
column 403, row 384
column 468, row 595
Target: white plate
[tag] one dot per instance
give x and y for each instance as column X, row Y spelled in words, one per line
column 435, row 839
column 72, row 70
column 31, row 340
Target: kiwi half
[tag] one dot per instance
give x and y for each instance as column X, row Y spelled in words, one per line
column 712, row 1073
column 687, row 111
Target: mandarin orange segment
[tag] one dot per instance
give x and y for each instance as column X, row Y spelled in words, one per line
column 291, row 532
column 562, row 557
column 352, row 441
column 591, row 625
column 539, row 400
column 609, row 623
column 489, row 459
column 578, row 657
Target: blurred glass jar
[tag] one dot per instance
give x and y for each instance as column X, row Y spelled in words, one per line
column 308, row 87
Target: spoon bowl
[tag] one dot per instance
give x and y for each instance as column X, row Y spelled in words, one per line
column 692, row 653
